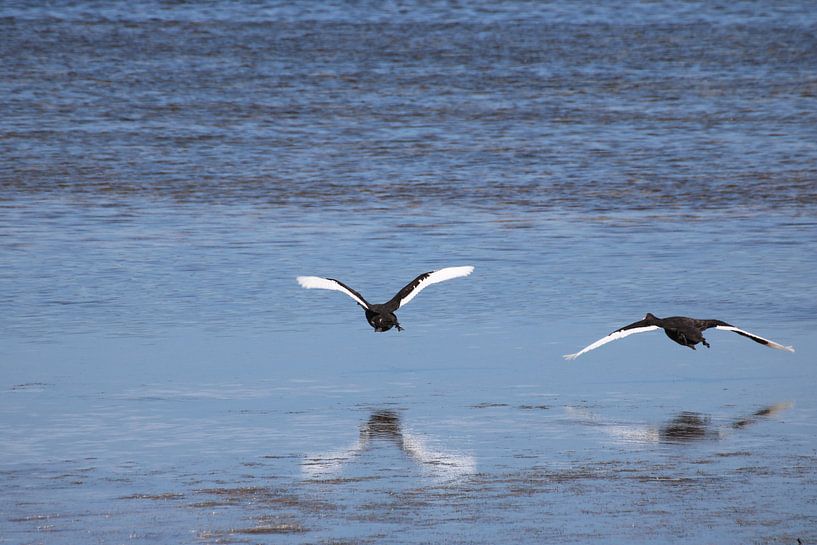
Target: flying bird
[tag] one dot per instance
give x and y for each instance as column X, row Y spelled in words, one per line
column 685, row 331
column 381, row 317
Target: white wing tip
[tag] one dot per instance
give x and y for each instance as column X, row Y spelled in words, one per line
column 772, row 344
column 571, row 357
column 310, row 281
column 455, row 272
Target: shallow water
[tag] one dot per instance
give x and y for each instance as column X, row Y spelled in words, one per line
column 168, row 170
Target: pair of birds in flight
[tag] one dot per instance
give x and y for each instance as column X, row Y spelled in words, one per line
column 684, row 331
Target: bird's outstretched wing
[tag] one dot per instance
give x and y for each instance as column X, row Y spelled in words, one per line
column 706, row 324
column 756, row 338
column 414, row 287
column 331, row 284
column 640, row 326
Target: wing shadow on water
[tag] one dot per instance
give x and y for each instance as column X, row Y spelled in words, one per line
column 685, row 427
column 386, row 427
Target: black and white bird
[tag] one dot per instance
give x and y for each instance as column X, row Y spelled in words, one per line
column 381, row 317
column 685, row 331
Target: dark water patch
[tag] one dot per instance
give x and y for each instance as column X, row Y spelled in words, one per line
column 731, row 454
column 283, row 528
column 75, row 472
column 343, row 480
column 687, row 426
column 166, row 496
column 210, row 504
column 245, row 492
column 269, row 498
column 31, row 386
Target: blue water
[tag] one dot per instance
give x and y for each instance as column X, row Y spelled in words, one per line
column 169, row 169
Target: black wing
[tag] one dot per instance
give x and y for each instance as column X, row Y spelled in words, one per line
column 641, row 323
column 706, row 324
column 424, row 280
column 756, row 338
column 310, row 282
column 394, row 302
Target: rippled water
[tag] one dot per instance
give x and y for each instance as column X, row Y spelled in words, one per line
column 169, row 168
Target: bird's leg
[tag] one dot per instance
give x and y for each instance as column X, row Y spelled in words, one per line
column 706, row 344
column 398, row 327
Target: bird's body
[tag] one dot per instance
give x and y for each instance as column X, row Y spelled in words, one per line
column 382, row 316
column 684, row 331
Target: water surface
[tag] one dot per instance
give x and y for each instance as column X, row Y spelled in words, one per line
column 168, row 169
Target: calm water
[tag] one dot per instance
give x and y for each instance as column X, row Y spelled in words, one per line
column 168, row 169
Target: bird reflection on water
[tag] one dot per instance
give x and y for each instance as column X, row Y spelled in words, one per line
column 686, row 426
column 386, row 426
